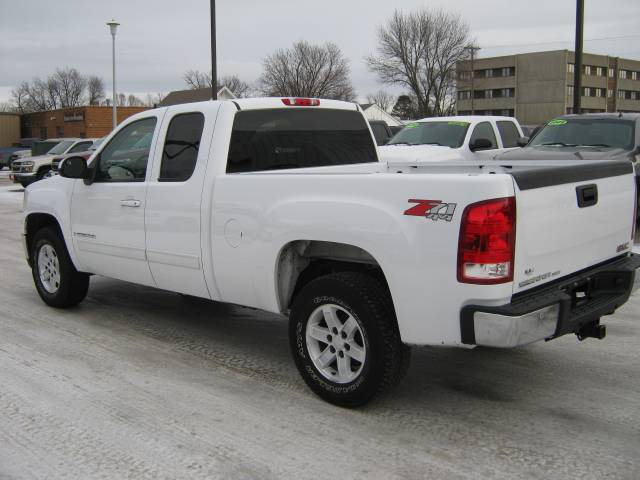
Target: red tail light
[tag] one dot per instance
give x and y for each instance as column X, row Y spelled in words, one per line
column 487, row 242
column 301, row 102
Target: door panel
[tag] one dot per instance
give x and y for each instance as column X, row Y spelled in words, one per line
column 173, row 213
column 107, row 216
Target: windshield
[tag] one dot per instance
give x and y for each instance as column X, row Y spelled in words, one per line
column 40, row 148
column 448, row 134
column 96, row 144
column 588, row 132
column 61, row 147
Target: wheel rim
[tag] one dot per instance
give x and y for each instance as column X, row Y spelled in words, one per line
column 49, row 268
column 336, row 343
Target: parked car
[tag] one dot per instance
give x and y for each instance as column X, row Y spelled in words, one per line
column 23, row 146
column 282, row 205
column 38, row 147
column 55, row 161
column 530, row 131
column 34, row 168
column 453, row 138
column 589, row 137
column 381, row 131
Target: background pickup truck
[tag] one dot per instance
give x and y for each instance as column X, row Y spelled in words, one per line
column 282, row 205
column 437, row 139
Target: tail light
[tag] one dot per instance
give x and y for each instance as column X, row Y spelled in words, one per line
column 301, row 102
column 487, row 242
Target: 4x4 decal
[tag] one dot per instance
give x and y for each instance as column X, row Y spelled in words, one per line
column 432, row 209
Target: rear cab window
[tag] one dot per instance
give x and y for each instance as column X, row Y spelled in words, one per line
column 274, row 139
column 509, row 133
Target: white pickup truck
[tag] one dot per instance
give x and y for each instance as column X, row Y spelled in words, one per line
column 445, row 139
column 282, row 205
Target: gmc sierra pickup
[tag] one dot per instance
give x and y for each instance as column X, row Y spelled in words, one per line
column 282, row 205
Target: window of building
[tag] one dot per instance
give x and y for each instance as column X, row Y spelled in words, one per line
column 634, row 75
column 621, row 94
column 612, row 72
column 570, row 67
column 488, row 94
column 509, row 133
column 464, row 95
column 587, row 69
column 464, row 75
column 623, row 74
column 478, row 94
column 598, row 92
column 298, row 138
column 570, row 91
column 125, row 157
column 484, row 130
column 586, row 92
column 610, row 93
column 181, row 147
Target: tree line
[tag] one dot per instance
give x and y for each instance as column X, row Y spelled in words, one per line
column 415, row 51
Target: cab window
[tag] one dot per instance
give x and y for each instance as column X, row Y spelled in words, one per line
column 484, row 130
column 125, row 157
column 181, row 146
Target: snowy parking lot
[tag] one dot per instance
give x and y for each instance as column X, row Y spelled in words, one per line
column 141, row 383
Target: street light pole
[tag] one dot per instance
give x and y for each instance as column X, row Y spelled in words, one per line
column 473, row 49
column 113, row 26
column 577, row 67
column 214, row 69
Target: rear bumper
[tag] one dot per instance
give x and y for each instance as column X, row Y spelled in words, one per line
column 565, row 306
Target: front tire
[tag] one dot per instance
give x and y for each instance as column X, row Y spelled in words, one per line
column 345, row 340
column 57, row 281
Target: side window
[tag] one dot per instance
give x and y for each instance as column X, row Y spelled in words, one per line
column 80, row 147
column 125, row 158
column 181, row 146
column 484, row 130
column 509, row 133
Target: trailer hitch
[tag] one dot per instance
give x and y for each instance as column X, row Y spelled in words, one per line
column 592, row 330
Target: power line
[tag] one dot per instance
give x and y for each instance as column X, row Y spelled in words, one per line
column 559, row 41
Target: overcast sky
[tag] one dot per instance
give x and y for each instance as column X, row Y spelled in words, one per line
column 159, row 39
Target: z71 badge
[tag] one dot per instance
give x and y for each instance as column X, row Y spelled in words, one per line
column 432, row 209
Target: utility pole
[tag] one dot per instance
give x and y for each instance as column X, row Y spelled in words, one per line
column 577, row 67
column 214, row 69
column 113, row 27
column 473, row 49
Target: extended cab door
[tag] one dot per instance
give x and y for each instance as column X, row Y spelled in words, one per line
column 107, row 216
column 484, row 130
column 173, row 213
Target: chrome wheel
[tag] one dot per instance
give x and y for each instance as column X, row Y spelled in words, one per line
column 49, row 268
column 336, row 343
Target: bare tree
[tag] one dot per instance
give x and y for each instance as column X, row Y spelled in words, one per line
column 69, row 86
column 153, row 99
column 383, row 99
column 95, row 90
column 309, row 71
column 419, row 51
column 196, row 79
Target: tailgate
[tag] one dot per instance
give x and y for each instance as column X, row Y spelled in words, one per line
column 571, row 218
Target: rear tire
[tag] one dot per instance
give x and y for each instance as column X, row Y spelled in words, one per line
column 57, row 281
column 345, row 340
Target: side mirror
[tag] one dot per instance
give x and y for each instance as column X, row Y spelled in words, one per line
column 523, row 141
column 73, row 167
column 480, row 144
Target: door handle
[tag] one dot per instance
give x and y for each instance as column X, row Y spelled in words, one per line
column 130, row 203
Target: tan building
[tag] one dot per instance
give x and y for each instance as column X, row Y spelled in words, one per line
column 535, row 87
column 82, row 122
column 9, row 129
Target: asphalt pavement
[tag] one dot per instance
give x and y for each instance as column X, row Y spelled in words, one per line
column 142, row 383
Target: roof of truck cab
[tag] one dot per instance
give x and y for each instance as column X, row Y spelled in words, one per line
column 465, row 118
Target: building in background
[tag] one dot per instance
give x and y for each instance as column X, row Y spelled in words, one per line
column 9, row 129
column 82, row 122
column 535, row 87
column 372, row 111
